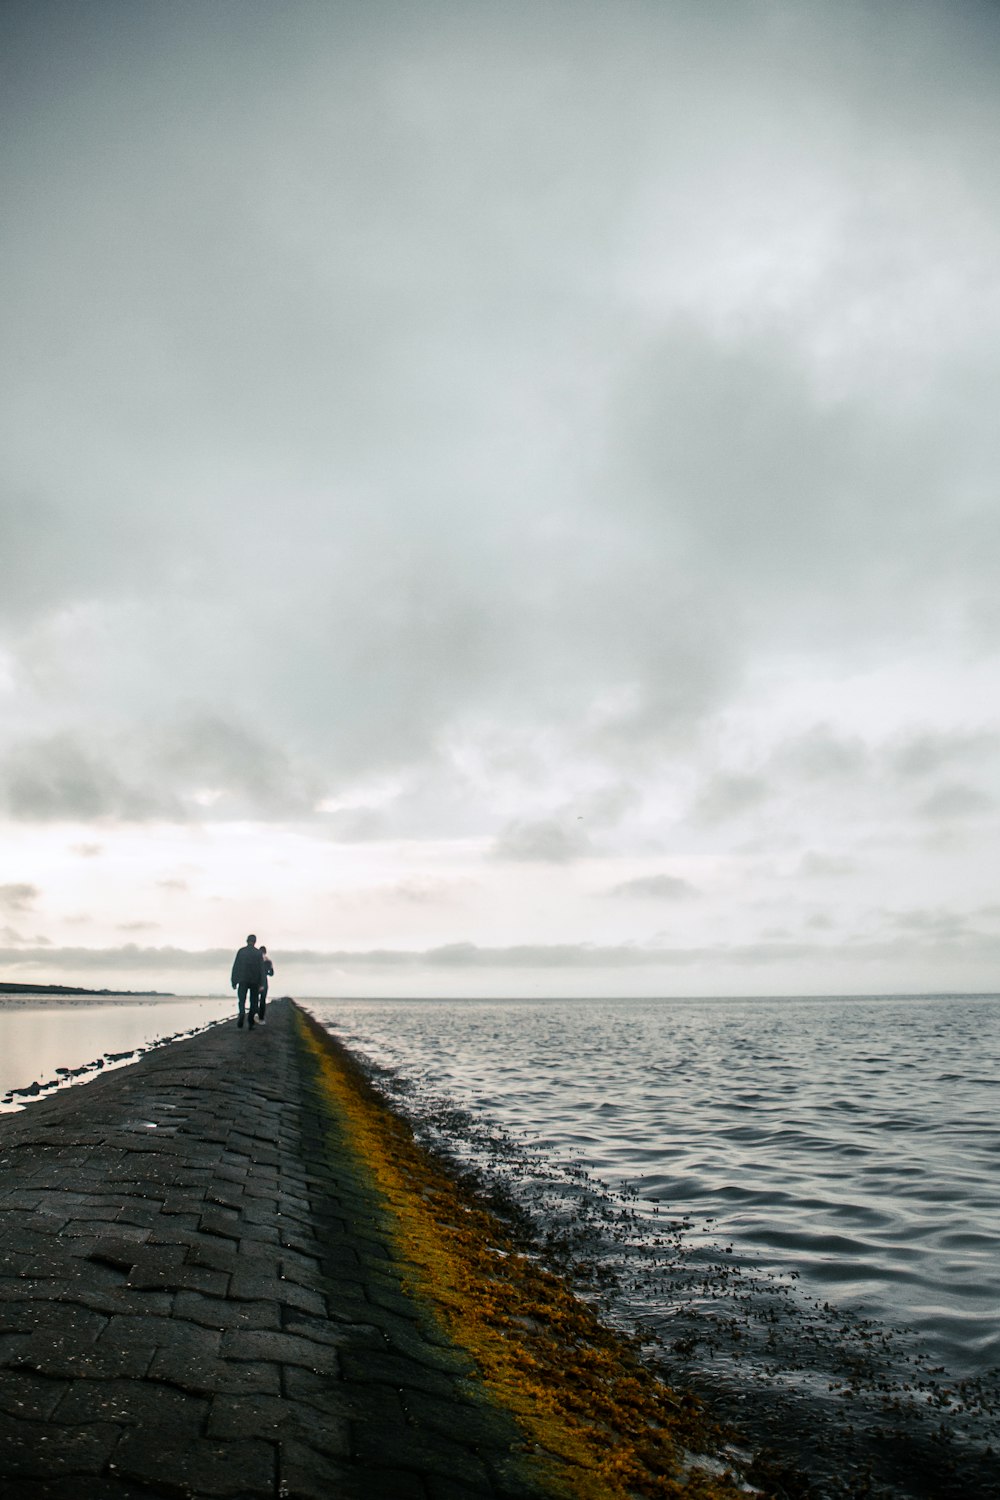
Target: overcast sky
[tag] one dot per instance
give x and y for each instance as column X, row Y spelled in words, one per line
column 501, row 499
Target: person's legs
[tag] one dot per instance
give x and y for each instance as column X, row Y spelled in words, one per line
column 252, row 1007
column 244, row 992
column 262, row 1002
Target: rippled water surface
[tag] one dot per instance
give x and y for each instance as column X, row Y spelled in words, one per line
column 851, row 1143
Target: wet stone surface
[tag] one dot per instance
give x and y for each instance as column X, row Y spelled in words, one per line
column 198, row 1298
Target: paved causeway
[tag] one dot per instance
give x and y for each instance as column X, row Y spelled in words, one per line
column 197, row 1298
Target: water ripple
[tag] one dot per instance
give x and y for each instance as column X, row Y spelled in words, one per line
column 869, row 1171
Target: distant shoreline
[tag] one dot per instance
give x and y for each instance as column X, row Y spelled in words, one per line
column 75, row 989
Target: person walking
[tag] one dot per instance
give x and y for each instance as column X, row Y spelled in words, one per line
column 247, row 977
column 268, row 971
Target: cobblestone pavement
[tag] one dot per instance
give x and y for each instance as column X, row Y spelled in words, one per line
column 198, row 1298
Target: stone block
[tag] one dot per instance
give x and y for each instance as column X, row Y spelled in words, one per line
column 157, row 1270
column 407, row 1448
column 475, row 1425
column 217, row 1255
column 219, row 1312
column 304, row 1474
column 127, row 1330
column 70, row 1488
column 174, row 1229
column 337, row 1334
column 169, row 1415
column 259, row 1234
column 225, row 1195
column 389, row 1296
column 29, row 1396
column 516, row 1478
column 146, row 1216
column 409, row 1343
column 72, row 1356
column 205, row 1468
column 226, row 1173
column 249, row 1416
column 160, row 1257
column 204, row 1376
column 282, row 1348
column 177, row 1202
column 373, row 1367
column 249, row 1286
column 221, row 1222
column 326, row 1433
column 40, row 1313
column 121, row 1253
column 439, row 1488
column 30, row 1451
column 261, row 1192
column 13, row 1262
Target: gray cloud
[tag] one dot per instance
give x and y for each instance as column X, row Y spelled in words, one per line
column 933, row 925
column 819, row 922
column 815, row 865
column 655, row 888
column 25, row 943
column 298, row 355
column 778, row 946
column 419, row 421
column 549, row 841
column 956, row 800
column 189, row 768
column 606, row 807
column 823, row 754
column 129, row 956
column 243, row 769
column 421, row 890
column 18, row 895
column 59, row 777
column 356, row 825
column 780, row 501
column 923, row 939
column 929, row 752
column 459, row 955
column 725, row 797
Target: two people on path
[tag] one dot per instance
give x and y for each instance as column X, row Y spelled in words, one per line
column 251, row 970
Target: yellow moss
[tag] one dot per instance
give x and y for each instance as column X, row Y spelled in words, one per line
column 602, row 1424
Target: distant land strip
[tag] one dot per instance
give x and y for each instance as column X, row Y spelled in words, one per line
column 73, row 989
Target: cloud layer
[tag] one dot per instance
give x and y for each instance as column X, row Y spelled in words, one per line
column 494, row 445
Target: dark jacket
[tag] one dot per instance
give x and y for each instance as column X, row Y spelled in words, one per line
column 248, row 968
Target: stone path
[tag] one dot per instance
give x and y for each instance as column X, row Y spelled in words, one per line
column 198, row 1298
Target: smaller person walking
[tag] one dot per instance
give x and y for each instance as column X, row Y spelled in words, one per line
column 268, row 971
column 247, row 977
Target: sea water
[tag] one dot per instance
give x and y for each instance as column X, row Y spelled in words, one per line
column 855, row 1142
column 46, row 1039
column 798, row 1198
